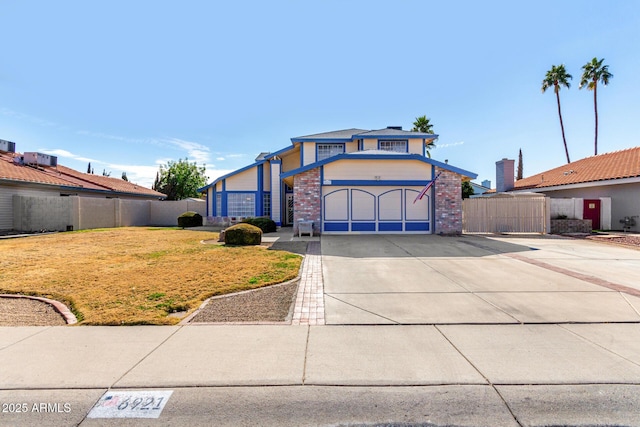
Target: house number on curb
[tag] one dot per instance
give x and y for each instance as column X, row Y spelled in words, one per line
column 131, row 404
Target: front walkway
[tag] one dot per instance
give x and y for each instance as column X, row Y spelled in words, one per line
column 309, row 305
column 309, row 308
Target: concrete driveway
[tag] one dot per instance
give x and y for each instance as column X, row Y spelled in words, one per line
column 418, row 279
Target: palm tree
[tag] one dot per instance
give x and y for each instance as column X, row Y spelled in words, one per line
column 557, row 76
column 422, row 125
column 592, row 73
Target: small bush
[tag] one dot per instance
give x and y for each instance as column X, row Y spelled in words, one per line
column 242, row 235
column 267, row 225
column 190, row 219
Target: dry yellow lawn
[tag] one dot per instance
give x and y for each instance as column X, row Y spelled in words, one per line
column 136, row 275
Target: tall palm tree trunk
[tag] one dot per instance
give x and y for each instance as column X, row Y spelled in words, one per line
column 595, row 108
column 566, row 150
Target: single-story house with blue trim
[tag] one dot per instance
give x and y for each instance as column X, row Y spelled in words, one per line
column 346, row 181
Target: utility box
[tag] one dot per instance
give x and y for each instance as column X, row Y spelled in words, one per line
column 305, row 227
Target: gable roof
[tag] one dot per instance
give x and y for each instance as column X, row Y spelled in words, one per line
column 603, row 167
column 67, row 178
column 346, row 135
column 391, row 132
column 379, row 155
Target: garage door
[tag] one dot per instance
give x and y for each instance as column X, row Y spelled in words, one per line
column 375, row 210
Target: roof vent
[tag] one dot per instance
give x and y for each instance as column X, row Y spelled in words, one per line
column 40, row 159
column 7, row 146
column 394, row 127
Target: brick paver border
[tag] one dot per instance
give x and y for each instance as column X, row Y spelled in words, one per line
column 309, row 306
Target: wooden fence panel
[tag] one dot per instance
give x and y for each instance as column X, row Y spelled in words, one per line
column 504, row 215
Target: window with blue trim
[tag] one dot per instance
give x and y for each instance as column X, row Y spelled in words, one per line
column 218, row 204
column 266, row 204
column 329, row 150
column 241, row 204
column 395, row 146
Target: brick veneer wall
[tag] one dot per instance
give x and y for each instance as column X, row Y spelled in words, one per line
column 448, row 203
column 306, row 199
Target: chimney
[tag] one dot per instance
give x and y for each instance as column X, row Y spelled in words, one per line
column 505, row 177
column 486, row 183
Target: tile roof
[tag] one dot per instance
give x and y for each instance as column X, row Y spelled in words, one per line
column 66, row 177
column 603, row 167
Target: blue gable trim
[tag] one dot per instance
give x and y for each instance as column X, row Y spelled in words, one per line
column 279, row 152
column 321, row 140
column 222, row 178
column 351, row 156
column 399, row 136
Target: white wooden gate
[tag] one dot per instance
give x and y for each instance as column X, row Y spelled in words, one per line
column 506, row 213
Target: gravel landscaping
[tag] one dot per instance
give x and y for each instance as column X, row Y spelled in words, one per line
column 28, row 312
column 270, row 304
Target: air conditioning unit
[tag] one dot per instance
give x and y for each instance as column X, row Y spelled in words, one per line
column 7, row 146
column 40, row 159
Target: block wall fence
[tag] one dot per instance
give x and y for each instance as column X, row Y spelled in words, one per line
column 32, row 213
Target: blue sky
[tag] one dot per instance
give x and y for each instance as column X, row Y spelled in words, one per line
column 130, row 85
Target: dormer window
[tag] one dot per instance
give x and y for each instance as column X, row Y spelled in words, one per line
column 324, row 151
column 395, row 146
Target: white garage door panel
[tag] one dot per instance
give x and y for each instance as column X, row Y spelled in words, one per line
column 416, row 210
column 363, row 206
column 374, row 209
column 391, row 205
column 336, row 206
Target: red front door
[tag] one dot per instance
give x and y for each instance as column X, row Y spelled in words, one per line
column 592, row 212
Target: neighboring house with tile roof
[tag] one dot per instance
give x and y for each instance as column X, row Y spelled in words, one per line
column 614, row 176
column 346, row 181
column 37, row 174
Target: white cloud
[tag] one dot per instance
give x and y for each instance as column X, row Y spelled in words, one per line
column 67, row 154
column 453, row 144
column 220, row 159
column 139, row 174
column 195, row 151
column 214, row 174
column 32, row 119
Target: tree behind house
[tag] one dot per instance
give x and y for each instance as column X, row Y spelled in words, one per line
column 180, row 180
column 557, row 77
column 423, row 124
column 593, row 73
column 519, row 175
column 467, row 190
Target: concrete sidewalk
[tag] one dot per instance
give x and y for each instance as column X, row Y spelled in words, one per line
column 523, row 372
column 512, row 373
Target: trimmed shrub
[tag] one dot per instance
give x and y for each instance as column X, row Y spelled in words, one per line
column 267, row 225
column 242, row 235
column 190, row 219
